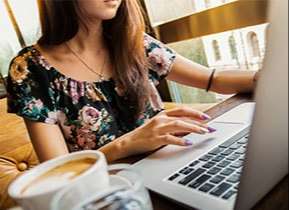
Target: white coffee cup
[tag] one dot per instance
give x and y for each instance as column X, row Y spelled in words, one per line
column 72, row 198
column 95, row 177
column 126, row 188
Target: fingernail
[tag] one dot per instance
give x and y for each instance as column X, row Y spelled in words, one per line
column 204, row 130
column 205, row 117
column 212, row 130
column 188, row 143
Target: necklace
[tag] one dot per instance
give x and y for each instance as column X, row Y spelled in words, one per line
column 100, row 75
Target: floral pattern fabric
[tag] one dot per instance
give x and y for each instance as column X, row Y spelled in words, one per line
column 90, row 114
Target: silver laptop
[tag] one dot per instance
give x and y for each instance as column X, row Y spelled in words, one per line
column 234, row 167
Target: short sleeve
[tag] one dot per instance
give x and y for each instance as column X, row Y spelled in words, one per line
column 160, row 58
column 29, row 95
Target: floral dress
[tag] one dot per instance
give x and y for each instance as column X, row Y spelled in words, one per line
column 90, row 114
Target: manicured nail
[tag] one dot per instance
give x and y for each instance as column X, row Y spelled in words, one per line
column 188, row 143
column 204, row 130
column 205, row 117
column 212, row 130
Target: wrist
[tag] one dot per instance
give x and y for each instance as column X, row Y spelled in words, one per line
column 256, row 76
column 115, row 150
column 254, row 79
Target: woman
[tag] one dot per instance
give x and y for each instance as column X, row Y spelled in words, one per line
column 89, row 83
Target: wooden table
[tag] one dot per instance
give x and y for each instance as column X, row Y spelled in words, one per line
column 277, row 199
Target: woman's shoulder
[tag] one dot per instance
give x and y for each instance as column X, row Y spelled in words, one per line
column 160, row 57
column 26, row 60
column 18, row 69
column 22, row 56
column 152, row 44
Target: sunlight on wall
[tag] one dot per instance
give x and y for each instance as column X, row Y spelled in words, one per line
column 9, row 44
column 7, row 34
column 28, row 19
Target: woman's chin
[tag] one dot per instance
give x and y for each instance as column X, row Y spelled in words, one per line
column 109, row 17
column 105, row 16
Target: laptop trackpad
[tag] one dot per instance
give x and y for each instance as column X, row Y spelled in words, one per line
column 224, row 131
column 201, row 143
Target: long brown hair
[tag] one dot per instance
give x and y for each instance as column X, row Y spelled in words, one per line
column 124, row 36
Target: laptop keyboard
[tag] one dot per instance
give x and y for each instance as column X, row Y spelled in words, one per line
column 218, row 172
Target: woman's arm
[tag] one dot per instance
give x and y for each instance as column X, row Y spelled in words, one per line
column 165, row 128
column 47, row 140
column 188, row 73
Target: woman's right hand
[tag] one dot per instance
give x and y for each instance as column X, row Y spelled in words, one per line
column 164, row 129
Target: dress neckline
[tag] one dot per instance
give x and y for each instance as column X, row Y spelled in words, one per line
column 44, row 63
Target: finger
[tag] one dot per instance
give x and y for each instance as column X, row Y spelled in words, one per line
column 187, row 112
column 178, row 126
column 194, row 122
column 204, row 125
column 180, row 134
column 173, row 140
column 167, row 119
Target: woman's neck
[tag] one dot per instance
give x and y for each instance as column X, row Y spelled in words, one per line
column 88, row 38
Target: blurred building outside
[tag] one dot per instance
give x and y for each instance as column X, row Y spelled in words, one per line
column 241, row 49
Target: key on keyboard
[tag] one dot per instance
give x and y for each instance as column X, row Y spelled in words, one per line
column 227, row 172
column 234, row 179
column 235, row 146
column 200, row 181
column 206, row 158
column 234, row 157
column 186, row 171
column 218, row 191
column 229, row 194
column 209, row 165
column 206, row 188
column 194, row 163
column 216, row 151
column 173, row 177
column 219, row 158
column 241, row 151
column 217, row 179
column 214, row 171
column 229, row 143
column 243, row 141
column 237, row 164
column 192, row 176
column 227, row 152
column 224, row 163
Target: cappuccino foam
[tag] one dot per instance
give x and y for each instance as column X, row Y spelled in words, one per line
column 58, row 176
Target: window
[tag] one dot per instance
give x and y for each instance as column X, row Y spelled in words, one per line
column 162, row 11
column 253, row 43
column 233, row 48
column 215, row 3
column 208, row 3
column 206, row 37
column 195, row 51
column 216, row 49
